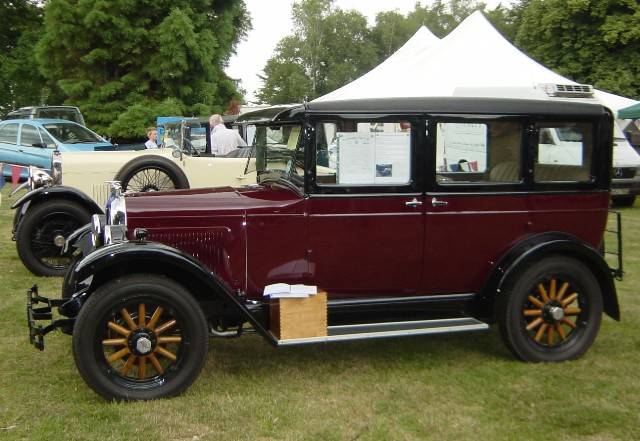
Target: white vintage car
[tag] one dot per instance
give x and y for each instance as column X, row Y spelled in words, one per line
column 76, row 189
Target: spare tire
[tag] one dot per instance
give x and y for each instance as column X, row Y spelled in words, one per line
column 151, row 173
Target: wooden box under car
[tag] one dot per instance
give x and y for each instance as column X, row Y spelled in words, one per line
column 292, row 318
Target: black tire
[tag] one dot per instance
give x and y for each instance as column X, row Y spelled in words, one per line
column 517, row 303
column 41, row 225
column 108, row 378
column 151, row 173
column 623, row 201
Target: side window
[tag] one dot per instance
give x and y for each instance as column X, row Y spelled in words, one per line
column 47, row 139
column 564, row 152
column 29, row 135
column 9, row 134
column 357, row 152
column 478, row 152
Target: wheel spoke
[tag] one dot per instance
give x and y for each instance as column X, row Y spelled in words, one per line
column 532, row 312
column 154, row 318
column 156, row 364
column 167, row 325
column 141, row 315
column 127, row 366
column 550, row 335
column 552, row 289
column 119, row 329
column 114, row 342
column 168, row 354
column 568, row 322
column 540, row 332
column 534, row 323
column 535, row 301
column 167, row 340
column 569, row 300
column 118, row 355
column 563, row 290
column 560, row 331
column 127, row 318
column 543, row 292
column 572, row 311
column 142, row 368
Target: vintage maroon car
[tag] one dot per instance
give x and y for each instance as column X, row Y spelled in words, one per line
column 416, row 216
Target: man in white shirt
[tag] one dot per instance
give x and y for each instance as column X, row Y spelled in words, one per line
column 223, row 140
column 152, row 134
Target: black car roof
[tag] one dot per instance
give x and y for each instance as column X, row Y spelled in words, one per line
column 442, row 105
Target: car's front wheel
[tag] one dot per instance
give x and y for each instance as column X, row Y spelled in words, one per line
column 42, row 233
column 551, row 311
column 140, row 337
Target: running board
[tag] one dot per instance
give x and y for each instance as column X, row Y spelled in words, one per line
column 393, row 329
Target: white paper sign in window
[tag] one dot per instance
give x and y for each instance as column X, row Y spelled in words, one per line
column 373, row 158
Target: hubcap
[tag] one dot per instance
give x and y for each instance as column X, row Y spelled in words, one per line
column 59, row 240
column 143, row 345
column 549, row 312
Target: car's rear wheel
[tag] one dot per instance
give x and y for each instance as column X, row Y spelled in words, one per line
column 42, row 233
column 551, row 311
column 140, row 337
column 151, row 174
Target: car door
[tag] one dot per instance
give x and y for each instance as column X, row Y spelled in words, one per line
column 31, row 147
column 9, row 149
column 477, row 212
column 365, row 207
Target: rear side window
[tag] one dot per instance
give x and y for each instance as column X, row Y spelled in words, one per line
column 29, row 135
column 478, row 152
column 9, row 134
column 363, row 153
column 564, row 152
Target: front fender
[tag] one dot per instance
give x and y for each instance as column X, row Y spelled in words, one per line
column 537, row 247
column 110, row 261
column 47, row 193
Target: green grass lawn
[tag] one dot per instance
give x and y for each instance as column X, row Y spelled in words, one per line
column 443, row 388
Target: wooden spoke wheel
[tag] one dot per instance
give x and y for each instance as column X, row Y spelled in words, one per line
column 144, row 344
column 551, row 310
column 140, row 337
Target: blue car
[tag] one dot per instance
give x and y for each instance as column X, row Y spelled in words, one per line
column 32, row 142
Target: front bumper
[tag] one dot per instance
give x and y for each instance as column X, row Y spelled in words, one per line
column 625, row 187
column 36, row 315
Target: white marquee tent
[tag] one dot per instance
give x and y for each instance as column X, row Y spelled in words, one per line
column 473, row 60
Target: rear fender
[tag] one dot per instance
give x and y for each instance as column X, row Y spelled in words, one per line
column 535, row 248
column 109, row 262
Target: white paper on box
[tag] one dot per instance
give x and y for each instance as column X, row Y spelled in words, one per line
column 284, row 290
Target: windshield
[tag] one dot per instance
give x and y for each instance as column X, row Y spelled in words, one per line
column 60, row 113
column 278, row 154
column 71, row 133
column 188, row 136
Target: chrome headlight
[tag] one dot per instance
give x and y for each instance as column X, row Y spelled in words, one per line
column 97, row 224
column 36, row 178
column 114, row 234
column 116, row 210
column 56, row 168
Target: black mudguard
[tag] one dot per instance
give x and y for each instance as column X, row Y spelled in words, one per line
column 107, row 262
column 42, row 194
column 537, row 247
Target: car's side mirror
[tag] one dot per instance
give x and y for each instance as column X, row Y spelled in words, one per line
column 42, row 145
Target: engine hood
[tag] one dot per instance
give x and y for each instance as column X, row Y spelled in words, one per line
column 208, row 202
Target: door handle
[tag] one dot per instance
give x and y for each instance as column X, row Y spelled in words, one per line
column 436, row 203
column 413, row 203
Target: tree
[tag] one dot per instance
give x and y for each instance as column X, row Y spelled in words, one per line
column 121, row 62
column 589, row 41
column 442, row 17
column 20, row 82
column 329, row 47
